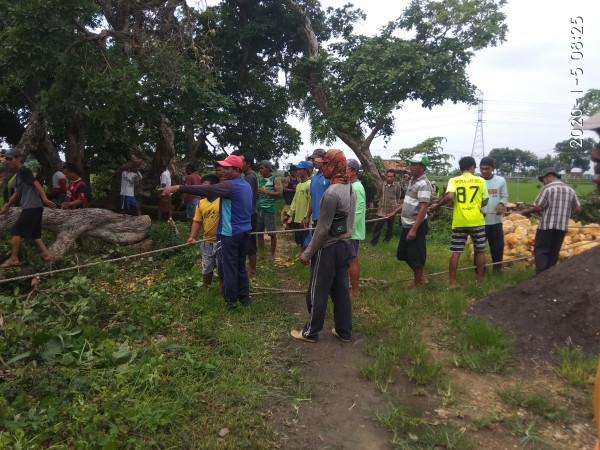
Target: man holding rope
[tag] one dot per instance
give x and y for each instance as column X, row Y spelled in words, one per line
column 558, row 203
column 233, row 231
column 329, row 254
column 412, row 247
column 469, row 194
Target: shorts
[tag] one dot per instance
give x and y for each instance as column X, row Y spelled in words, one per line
column 29, row 224
column 128, row 203
column 266, row 221
column 165, row 204
column 414, row 252
column 459, row 238
column 190, row 207
column 301, row 235
column 354, row 248
column 209, row 257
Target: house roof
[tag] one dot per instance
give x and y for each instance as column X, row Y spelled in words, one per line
column 395, row 164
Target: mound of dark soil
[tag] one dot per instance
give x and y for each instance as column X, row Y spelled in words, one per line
column 549, row 310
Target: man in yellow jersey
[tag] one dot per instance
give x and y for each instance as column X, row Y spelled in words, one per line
column 469, row 193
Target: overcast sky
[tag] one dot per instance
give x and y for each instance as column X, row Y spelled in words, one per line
column 526, row 81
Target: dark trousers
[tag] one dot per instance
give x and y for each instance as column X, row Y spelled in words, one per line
column 231, row 262
column 494, row 235
column 329, row 277
column 252, row 242
column 546, row 248
column 379, row 226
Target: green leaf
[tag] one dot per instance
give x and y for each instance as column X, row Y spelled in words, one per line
column 18, row 358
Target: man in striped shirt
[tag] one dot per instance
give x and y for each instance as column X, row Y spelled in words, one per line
column 557, row 202
column 411, row 247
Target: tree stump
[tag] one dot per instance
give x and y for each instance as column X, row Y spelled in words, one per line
column 68, row 225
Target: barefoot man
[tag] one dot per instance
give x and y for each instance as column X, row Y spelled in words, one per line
column 33, row 198
column 411, row 247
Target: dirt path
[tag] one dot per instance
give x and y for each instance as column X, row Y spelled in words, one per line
column 341, row 412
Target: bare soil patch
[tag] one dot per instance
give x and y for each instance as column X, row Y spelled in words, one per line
column 558, row 306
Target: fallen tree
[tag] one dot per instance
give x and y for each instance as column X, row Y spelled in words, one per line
column 68, row 225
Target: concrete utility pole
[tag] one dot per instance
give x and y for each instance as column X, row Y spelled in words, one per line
column 478, row 150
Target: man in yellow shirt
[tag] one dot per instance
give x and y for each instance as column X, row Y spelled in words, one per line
column 469, row 193
column 207, row 217
column 299, row 207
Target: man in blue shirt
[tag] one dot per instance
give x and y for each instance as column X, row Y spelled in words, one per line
column 318, row 186
column 233, row 231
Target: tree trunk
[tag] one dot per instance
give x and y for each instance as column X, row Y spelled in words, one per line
column 34, row 141
column 193, row 144
column 68, row 225
column 75, row 145
column 321, row 96
column 165, row 151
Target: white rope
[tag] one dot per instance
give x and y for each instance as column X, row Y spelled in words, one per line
column 151, row 252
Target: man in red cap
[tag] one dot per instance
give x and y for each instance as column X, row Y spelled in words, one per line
column 233, row 231
column 329, row 254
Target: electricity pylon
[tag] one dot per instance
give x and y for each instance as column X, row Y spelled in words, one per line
column 478, row 150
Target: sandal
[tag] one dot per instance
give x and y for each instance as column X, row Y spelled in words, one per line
column 6, row 264
column 298, row 335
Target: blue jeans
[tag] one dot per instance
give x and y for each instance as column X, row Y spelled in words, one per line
column 231, row 262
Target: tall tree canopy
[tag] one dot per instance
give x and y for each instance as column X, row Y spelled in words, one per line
column 101, row 79
column 350, row 88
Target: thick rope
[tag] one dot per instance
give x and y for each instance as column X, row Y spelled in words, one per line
column 151, row 252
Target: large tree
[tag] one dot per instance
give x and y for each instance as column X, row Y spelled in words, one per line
column 511, row 160
column 351, row 88
column 102, row 79
column 574, row 155
column 439, row 162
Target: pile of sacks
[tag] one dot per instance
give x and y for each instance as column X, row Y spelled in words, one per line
column 519, row 235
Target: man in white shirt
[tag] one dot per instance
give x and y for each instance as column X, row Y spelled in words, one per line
column 164, row 200
column 128, row 203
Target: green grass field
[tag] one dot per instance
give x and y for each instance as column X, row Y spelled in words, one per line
column 527, row 189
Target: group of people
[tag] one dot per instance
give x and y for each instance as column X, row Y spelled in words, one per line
column 325, row 206
column 326, row 209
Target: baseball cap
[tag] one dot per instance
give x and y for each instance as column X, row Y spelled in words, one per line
column 231, row 161
column 14, row 153
column 419, row 158
column 266, row 163
column 318, row 153
column 548, row 171
column 353, row 164
column 303, row 165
